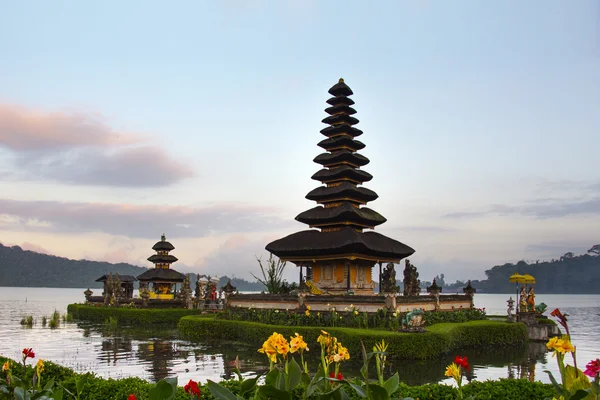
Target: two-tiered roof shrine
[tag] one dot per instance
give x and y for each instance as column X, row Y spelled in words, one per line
column 162, row 276
column 339, row 255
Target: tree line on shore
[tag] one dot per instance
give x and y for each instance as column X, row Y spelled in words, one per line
column 569, row 273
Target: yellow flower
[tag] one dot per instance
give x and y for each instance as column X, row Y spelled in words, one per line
column 308, row 308
column 342, row 354
column 268, row 349
column 324, row 338
column 381, row 347
column 307, row 313
column 297, row 343
column 39, row 367
column 453, row 371
column 564, row 346
column 551, row 343
column 6, row 366
column 355, row 312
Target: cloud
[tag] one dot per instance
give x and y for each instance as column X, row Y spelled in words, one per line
column 142, row 221
column 82, row 149
column 34, row 247
column 236, row 256
column 547, row 208
column 22, row 129
column 146, row 166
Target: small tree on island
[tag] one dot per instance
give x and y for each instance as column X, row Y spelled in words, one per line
column 595, row 250
column 272, row 275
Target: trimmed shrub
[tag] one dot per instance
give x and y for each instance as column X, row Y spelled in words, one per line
column 129, row 316
column 437, row 340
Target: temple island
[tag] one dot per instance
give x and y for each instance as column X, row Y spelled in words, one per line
column 338, row 252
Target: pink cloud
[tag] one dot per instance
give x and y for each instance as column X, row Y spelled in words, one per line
column 82, row 149
column 147, row 221
column 22, row 129
column 35, row 247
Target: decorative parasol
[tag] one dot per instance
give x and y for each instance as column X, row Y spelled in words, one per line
column 528, row 279
column 517, row 278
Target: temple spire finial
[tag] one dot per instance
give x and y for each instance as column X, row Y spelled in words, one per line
column 341, row 80
column 163, row 237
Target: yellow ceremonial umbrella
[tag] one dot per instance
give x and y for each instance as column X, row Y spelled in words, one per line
column 528, row 278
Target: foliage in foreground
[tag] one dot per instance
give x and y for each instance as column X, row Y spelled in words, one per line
column 90, row 387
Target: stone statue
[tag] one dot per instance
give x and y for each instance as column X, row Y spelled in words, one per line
column 531, row 300
column 523, row 300
column 108, row 290
column 388, row 279
column 412, row 284
column 414, row 318
column 185, row 294
column 509, row 310
column 540, row 308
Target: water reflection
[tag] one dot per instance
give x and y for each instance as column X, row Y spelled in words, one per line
column 153, row 354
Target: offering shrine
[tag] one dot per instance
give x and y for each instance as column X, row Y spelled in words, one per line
column 162, row 277
column 338, row 255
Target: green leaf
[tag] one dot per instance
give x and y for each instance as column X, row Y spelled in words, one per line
column 580, row 394
column 49, row 385
column 58, row 394
column 558, row 387
column 219, row 392
column 248, row 385
column 272, row 377
column 294, row 375
column 269, row 392
column 391, row 385
column 377, row 392
column 305, row 379
column 80, row 384
column 161, row 391
column 19, row 393
column 360, row 391
column 576, row 379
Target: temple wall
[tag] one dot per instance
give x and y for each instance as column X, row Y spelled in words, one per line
column 367, row 303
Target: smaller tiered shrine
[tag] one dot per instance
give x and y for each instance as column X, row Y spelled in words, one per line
column 162, row 277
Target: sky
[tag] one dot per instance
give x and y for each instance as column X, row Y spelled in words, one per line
column 120, row 121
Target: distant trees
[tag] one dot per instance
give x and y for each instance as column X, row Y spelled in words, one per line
column 595, row 250
column 567, row 256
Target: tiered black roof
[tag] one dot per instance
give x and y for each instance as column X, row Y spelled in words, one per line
column 163, row 244
column 161, row 275
column 342, row 220
column 162, row 258
column 122, row 278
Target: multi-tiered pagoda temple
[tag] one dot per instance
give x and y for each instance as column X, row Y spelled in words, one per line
column 163, row 278
column 339, row 255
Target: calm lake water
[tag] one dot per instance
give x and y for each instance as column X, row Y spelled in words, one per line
column 153, row 355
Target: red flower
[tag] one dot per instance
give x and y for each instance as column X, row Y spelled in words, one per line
column 463, row 362
column 28, row 352
column 131, row 397
column 592, row 369
column 562, row 318
column 192, row 388
column 339, row 376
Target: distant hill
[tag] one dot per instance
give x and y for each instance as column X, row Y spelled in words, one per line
column 24, row 268
column 569, row 274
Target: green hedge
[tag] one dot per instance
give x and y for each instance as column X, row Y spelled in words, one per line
column 129, row 316
column 439, row 339
column 118, row 389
